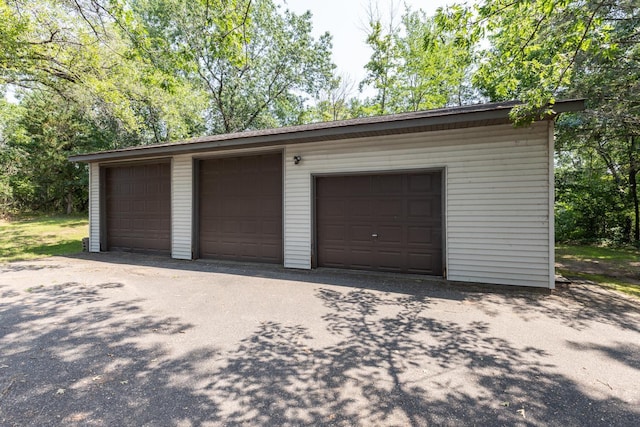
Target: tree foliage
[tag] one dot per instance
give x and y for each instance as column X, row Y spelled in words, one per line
column 104, row 74
column 416, row 64
column 254, row 62
column 535, row 46
column 336, row 102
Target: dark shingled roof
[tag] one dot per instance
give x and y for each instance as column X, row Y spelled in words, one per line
column 419, row 121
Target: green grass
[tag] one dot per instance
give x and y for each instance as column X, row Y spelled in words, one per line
column 23, row 239
column 616, row 255
column 615, row 268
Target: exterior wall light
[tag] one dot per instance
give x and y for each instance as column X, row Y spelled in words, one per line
column 296, row 159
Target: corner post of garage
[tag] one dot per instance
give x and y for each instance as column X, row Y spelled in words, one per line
column 95, row 205
column 182, row 203
column 551, row 184
column 101, row 208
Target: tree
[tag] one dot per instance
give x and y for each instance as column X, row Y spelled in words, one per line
column 38, row 45
column 105, row 74
column 9, row 156
column 255, row 63
column 610, row 127
column 382, row 67
column 76, row 50
column 80, row 87
column 611, row 81
column 435, row 66
column 337, row 102
column 417, row 65
column 591, row 202
column 534, row 45
column 38, row 136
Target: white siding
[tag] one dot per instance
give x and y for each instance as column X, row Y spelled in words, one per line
column 181, row 206
column 497, row 186
column 94, row 207
column 551, row 205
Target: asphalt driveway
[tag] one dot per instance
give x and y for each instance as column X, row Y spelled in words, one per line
column 131, row 340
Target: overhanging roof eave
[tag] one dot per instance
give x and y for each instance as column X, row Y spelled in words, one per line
column 403, row 123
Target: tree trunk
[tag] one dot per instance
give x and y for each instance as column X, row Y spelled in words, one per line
column 69, row 203
column 633, row 187
column 634, row 190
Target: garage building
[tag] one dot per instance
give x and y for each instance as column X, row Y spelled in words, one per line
column 458, row 193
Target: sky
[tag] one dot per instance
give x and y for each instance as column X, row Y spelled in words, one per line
column 346, row 21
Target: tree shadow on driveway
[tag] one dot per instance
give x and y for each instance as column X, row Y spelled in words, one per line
column 74, row 354
column 70, row 356
column 575, row 305
column 401, row 368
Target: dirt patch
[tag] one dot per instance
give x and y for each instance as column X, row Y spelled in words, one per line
column 628, row 271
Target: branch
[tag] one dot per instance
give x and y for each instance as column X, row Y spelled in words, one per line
column 578, row 47
column 79, row 8
column 533, row 33
column 43, row 42
column 610, row 164
column 497, row 12
column 269, row 99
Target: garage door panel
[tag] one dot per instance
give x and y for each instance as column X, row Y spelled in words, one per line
column 422, row 183
column 270, row 206
column 359, row 207
column 227, row 227
column 240, row 208
column 360, row 258
column 419, row 235
column 389, row 208
column 138, row 207
column 334, row 257
column 391, row 258
column 269, row 185
column 389, row 235
column 250, row 227
column 140, row 224
column 332, row 189
column 358, row 186
column 272, row 228
column 335, row 232
column 394, row 222
column 419, row 208
column 387, row 184
column 358, row 234
column 334, row 208
column 154, row 206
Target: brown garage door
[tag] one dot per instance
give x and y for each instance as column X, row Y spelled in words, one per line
column 240, row 208
column 138, row 207
column 386, row 222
